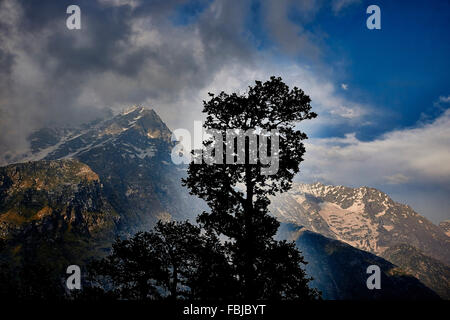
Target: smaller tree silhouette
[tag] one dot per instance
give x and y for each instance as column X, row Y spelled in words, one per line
column 174, row 261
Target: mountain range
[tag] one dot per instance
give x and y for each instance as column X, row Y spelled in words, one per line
column 339, row 270
column 369, row 220
column 78, row 188
column 130, row 152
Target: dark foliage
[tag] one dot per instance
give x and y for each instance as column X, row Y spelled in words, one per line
column 174, row 261
column 180, row 260
column 266, row 268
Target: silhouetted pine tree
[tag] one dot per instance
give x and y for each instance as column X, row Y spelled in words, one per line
column 179, row 260
column 265, row 268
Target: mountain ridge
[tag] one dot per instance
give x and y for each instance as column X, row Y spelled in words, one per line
column 130, row 152
column 431, row 272
column 364, row 217
column 445, row 225
column 55, row 200
column 339, row 270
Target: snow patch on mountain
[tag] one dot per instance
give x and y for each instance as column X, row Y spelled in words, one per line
column 363, row 217
column 109, row 133
column 445, row 226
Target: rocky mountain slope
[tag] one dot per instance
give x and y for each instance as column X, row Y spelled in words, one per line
column 78, row 188
column 52, row 214
column 431, row 272
column 339, row 270
column 63, row 195
column 131, row 154
column 365, row 218
column 445, row 226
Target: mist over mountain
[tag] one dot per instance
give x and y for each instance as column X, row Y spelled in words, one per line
column 130, row 152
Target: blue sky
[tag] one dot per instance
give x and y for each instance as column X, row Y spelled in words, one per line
column 400, row 70
column 382, row 96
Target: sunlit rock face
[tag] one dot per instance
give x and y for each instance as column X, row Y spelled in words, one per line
column 130, row 153
column 52, row 197
column 77, row 189
column 365, row 218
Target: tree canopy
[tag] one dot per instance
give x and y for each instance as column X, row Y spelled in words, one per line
column 232, row 252
column 238, row 194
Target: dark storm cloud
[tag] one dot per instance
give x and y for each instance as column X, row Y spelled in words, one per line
column 127, row 52
column 106, row 29
column 289, row 35
column 6, row 61
column 46, row 68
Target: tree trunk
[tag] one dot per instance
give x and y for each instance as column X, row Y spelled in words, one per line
column 249, row 241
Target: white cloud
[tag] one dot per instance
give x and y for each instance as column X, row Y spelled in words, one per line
column 118, row 3
column 440, row 104
column 326, row 101
column 397, row 179
column 291, row 36
column 444, row 99
column 420, row 155
column 142, row 58
column 339, row 5
column 411, row 165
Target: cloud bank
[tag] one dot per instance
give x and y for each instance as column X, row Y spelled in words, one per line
column 398, row 161
column 133, row 52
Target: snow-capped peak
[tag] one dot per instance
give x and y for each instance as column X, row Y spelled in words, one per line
column 363, row 217
column 137, row 126
column 133, row 109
